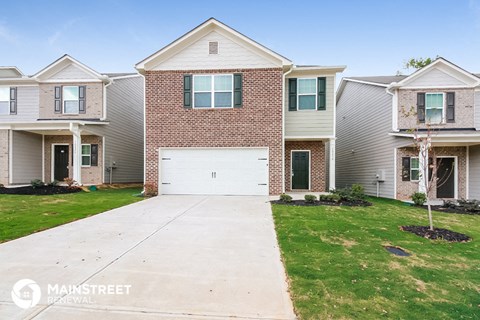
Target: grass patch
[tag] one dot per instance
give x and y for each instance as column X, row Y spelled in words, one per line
column 339, row 269
column 22, row 215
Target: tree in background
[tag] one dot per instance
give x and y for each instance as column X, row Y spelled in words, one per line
column 418, row 63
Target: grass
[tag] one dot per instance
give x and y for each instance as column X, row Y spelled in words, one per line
column 338, row 268
column 22, row 215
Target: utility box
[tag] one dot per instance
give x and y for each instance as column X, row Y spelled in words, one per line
column 380, row 175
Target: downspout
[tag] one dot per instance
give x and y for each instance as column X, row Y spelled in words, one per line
column 104, row 116
column 284, row 97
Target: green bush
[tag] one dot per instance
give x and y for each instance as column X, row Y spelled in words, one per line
column 285, row 198
column 469, row 205
column 36, row 183
column 330, row 197
column 419, row 198
column 310, row 198
column 351, row 194
column 53, row 183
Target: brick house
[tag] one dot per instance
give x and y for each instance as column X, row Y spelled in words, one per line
column 376, row 116
column 69, row 121
column 226, row 115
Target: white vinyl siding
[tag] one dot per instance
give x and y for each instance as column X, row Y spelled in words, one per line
column 26, row 157
column 27, row 105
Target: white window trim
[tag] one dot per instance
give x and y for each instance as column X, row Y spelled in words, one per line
column 8, row 101
column 307, row 94
column 89, row 155
column 443, row 108
column 63, row 100
column 418, row 169
column 309, row 168
column 212, row 91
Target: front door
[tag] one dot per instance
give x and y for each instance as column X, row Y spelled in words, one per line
column 445, row 177
column 60, row 165
column 300, row 170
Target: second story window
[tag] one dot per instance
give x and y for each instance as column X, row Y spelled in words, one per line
column 70, row 99
column 4, row 100
column 213, row 91
column 307, row 94
column 434, row 107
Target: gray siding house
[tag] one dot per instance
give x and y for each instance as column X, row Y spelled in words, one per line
column 375, row 141
column 69, row 121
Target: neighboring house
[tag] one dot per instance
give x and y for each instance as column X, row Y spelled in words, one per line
column 375, row 139
column 226, row 115
column 69, row 121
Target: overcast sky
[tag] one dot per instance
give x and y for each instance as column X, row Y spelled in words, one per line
column 371, row 37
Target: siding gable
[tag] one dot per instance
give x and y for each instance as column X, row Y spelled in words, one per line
column 230, row 55
column 436, row 78
column 72, row 72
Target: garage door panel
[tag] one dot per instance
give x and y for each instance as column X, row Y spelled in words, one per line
column 215, row 171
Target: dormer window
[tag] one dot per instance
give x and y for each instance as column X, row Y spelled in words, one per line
column 213, row 47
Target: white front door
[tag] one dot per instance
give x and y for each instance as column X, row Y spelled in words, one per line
column 221, row 171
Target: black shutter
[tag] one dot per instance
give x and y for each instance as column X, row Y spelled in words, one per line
column 237, row 90
column 187, row 91
column 421, row 106
column 82, row 93
column 13, row 100
column 94, row 155
column 405, row 168
column 322, row 91
column 450, row 106
column 58, row 99
column 292, row 94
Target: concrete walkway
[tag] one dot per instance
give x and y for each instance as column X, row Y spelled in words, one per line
column 179, row 257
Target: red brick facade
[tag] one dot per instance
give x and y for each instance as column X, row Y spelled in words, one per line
column 257, row 124
column 317, row 163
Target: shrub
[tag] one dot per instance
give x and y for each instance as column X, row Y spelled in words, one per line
column 469, row 205
column 149, row 190
column 310, row 198
column 355, row 193
column 419, row 198
column 330, row 197
column 53, row 183
column 70, row 182
column 285, row 198
column 36, row 183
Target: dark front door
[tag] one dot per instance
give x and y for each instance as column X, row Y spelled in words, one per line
column 60, row 166
column 445, row 177
column 300, row 170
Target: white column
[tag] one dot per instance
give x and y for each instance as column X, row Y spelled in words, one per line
column 77, row 154
column 331, row 157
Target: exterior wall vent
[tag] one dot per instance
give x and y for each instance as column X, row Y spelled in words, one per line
column 213, row 47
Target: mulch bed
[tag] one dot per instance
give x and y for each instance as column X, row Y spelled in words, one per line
column 46, row 190
column 436, row 234
column 302, row 203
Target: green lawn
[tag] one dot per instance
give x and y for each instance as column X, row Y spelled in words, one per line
column 338, row 268
column 22, row 215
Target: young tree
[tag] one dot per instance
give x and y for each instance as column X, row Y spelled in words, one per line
column 418, row 63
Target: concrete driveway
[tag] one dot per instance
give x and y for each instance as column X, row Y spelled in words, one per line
column 170, row 257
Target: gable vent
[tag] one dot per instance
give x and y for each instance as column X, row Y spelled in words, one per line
column 213, row 47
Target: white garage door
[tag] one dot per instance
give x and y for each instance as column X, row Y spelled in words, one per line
column 242, row 171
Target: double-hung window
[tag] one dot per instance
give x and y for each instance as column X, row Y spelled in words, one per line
column 86, row 155
column 213, row 91
column 307, row 94
column 71, row 99
column 434, row 108
column 4, row 100
column 414, row 169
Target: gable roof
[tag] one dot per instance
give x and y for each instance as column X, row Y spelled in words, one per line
column 454, row 70
column 200, row 31
column 380, row 79
column 63, row 62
